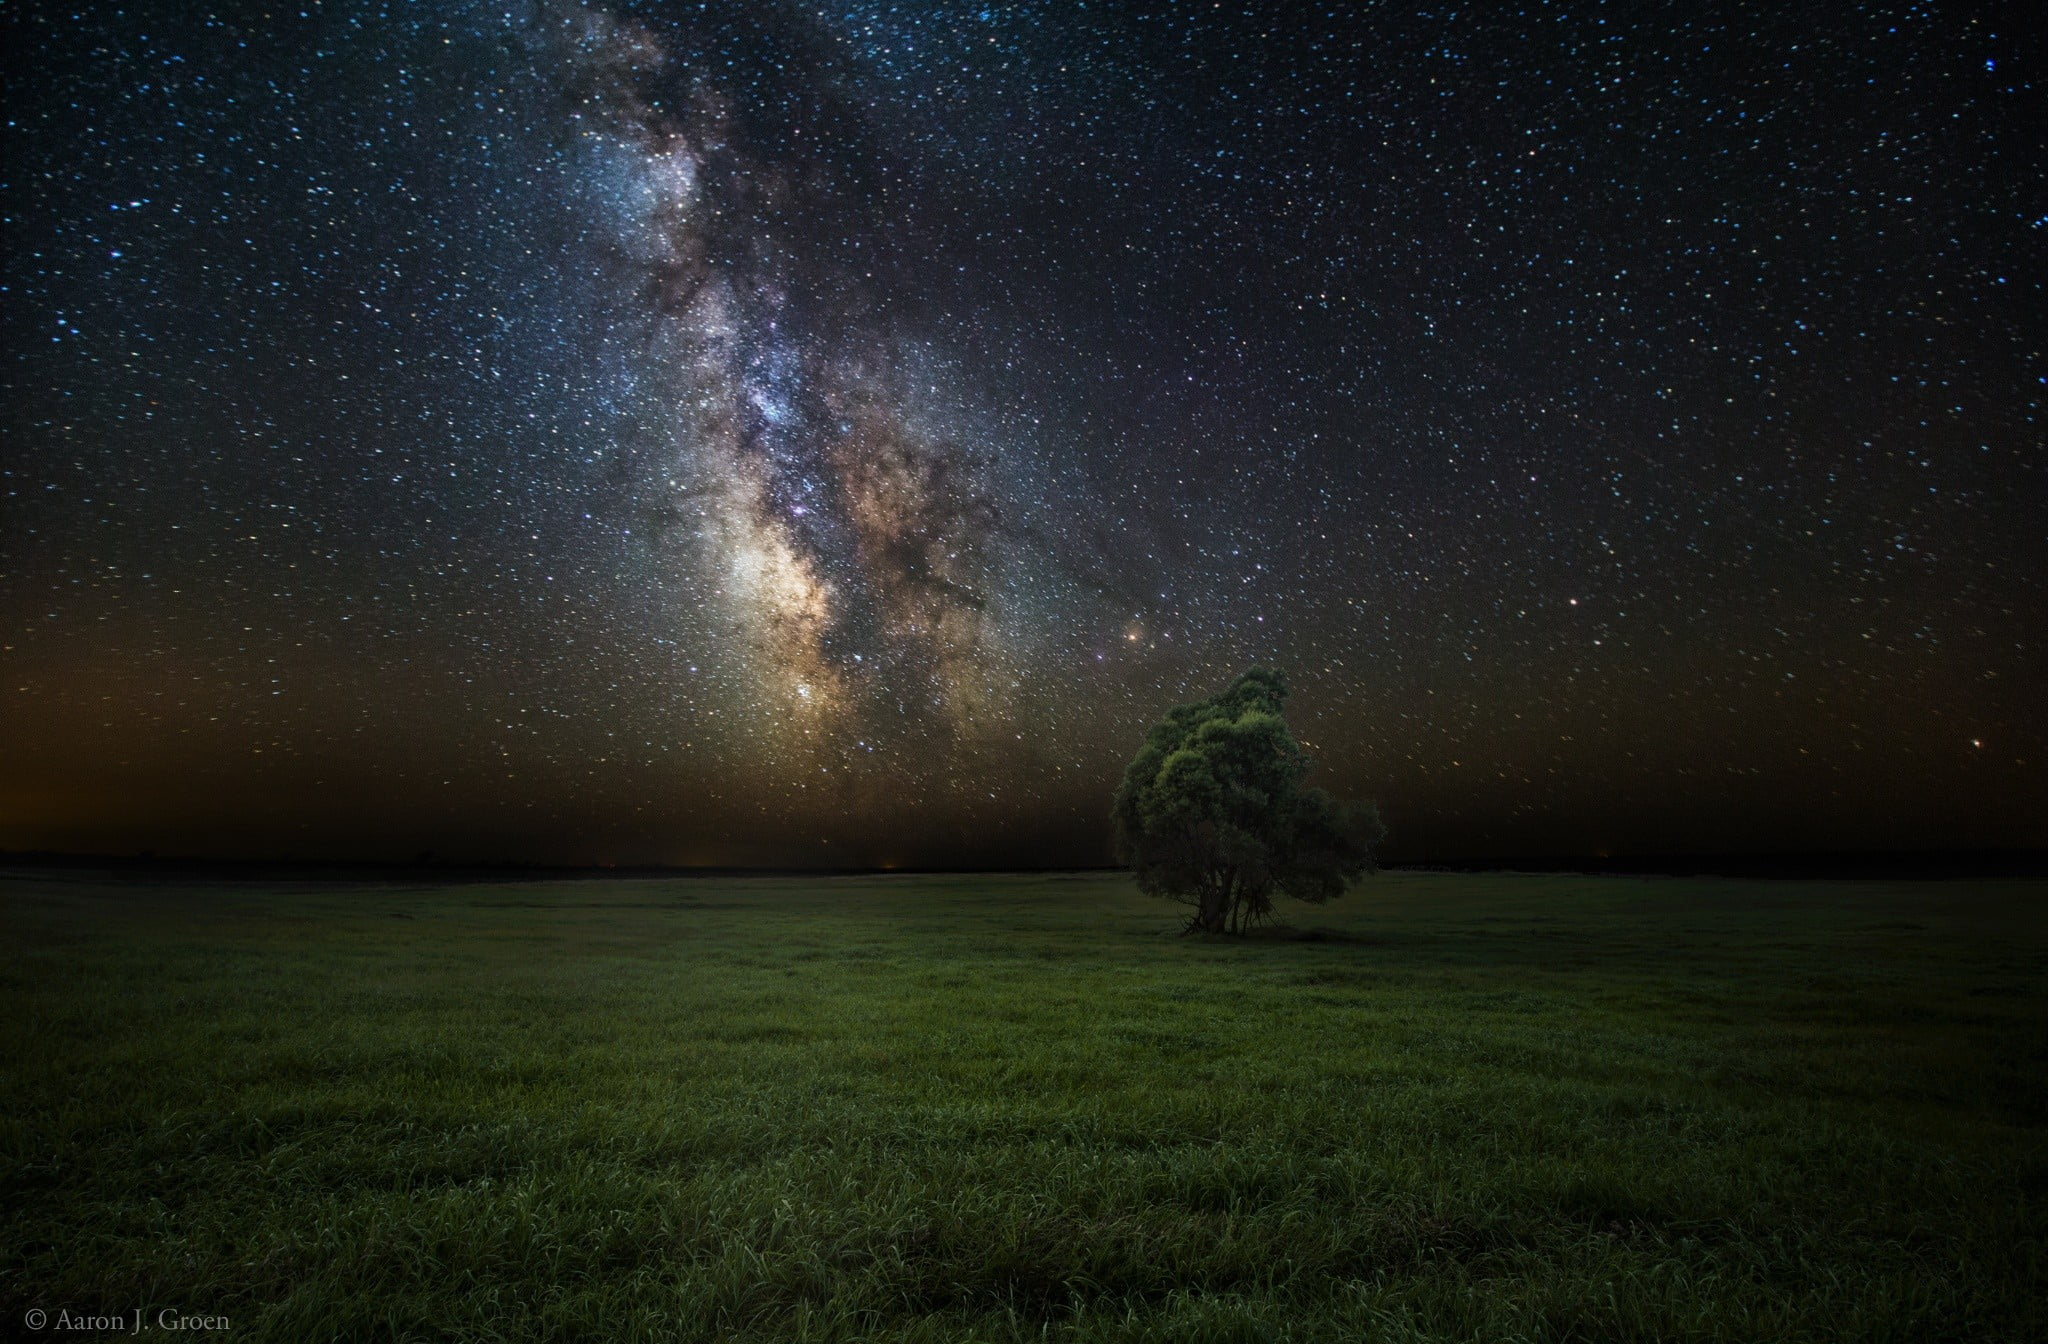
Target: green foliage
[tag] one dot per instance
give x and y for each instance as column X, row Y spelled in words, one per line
column 1212, row 812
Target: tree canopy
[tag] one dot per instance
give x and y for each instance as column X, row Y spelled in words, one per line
column 1212, row 812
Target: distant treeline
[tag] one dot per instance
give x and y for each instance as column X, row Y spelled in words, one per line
column 207, row 868
column 1919, row 864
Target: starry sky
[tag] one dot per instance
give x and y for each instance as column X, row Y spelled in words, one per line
column 791, row 434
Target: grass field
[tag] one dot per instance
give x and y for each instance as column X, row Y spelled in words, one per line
column 1479, row 1108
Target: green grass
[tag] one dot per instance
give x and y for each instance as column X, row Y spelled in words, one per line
column 1475, row 1108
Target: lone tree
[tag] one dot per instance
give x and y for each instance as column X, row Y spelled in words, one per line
column 1212, row 812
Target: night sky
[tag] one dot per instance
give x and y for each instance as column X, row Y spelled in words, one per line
column 797, row 434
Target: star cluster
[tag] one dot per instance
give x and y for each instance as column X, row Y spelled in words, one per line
column 829, row 434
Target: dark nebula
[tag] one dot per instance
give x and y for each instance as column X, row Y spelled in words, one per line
column 746, row 432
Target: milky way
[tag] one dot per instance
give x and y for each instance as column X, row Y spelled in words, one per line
column 852, row 539
column 757, row 433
